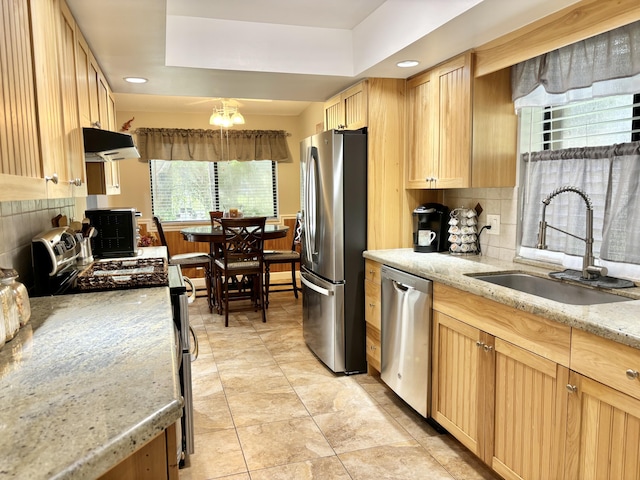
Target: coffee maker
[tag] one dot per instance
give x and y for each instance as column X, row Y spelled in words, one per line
column 430, row 228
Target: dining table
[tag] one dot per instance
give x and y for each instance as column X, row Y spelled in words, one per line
column 214, row 236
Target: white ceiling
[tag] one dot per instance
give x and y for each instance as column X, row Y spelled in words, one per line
column 290, row 52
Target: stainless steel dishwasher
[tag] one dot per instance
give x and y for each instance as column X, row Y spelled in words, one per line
column 406, row 337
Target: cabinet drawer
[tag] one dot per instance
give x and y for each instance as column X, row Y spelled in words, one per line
column 372, row 271
column 606, row 361
column 544, row 337
column 372, row 303
column 373, row 347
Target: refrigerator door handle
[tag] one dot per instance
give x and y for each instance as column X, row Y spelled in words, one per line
column 315, row 288
column 311, row 205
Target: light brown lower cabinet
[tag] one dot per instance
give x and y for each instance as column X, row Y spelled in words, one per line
column 502, row 402
column 603, row 432
column 372, row 315
column 502, row 386
column 155, row 460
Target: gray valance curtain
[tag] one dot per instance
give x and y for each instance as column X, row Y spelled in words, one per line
column 212, row 145
column 583, row 65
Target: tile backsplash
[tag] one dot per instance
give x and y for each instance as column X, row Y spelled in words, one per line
column 494, row 201
column 19, row 223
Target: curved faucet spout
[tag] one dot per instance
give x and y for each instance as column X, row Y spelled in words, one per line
column 589, row 270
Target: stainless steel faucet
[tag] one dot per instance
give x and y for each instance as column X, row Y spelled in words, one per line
column 589, row 270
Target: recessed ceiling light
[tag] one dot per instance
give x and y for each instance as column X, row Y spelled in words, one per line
column 135, row 80
column 407, row 63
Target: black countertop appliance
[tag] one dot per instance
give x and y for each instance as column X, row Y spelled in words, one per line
column 430, row 228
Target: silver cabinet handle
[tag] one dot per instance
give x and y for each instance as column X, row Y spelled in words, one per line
column 487, row 348
column 53, row 178
column 632, row 374
column 479, row 343
column 571, row 388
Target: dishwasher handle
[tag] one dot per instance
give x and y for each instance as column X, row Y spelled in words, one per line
column 401, row 286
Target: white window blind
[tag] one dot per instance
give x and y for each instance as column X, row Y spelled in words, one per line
column 189, row 190
column 601, row 121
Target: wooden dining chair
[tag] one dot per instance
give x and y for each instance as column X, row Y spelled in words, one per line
column 187, row 260
column 280, row 257
column 242, row 259
column 215, row 250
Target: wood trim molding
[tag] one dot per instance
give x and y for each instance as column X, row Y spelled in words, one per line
column 569, row 25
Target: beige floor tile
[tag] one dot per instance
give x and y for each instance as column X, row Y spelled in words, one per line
column 205, row 383
column 364, row 428
column 402, row 461
column 341, row 394
column 291, row 353
column 255, row 378
column 211, row 413
column 217, row 454
column 457, row 459
column 206, row 364
column 308, row 372
column 233, row 340
column 290, row 336
column 254, row 408
column 242, row 358
column 328, row 468
column 281, row 443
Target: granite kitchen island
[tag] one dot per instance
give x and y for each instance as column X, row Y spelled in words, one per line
column 87, row 382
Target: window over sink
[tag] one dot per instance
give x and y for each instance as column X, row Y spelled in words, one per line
column 592, row 145
column 184, row 191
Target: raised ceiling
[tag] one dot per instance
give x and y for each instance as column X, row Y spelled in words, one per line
column 288, row 51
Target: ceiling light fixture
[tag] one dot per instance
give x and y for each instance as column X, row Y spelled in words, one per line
column 407, row 63
column 226, row 116
column 135, row 80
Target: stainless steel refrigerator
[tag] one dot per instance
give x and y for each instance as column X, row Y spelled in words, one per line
column 334, row 198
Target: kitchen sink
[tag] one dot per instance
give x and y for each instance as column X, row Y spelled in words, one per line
column 550, row 289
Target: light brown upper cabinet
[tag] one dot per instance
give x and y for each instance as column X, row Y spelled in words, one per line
column 97, row 107
column 21, row 175
column 69, row 86
column 347, row 110
column 461, row 130
column 41, row 137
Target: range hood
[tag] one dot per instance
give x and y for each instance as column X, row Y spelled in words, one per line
column 106, row 146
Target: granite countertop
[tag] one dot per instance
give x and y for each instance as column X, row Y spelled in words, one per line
column 90, row 379
column 615, row 321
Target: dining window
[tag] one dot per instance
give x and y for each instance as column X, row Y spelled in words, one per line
column 184, row 191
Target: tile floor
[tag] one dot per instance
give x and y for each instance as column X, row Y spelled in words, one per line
column 267, row 409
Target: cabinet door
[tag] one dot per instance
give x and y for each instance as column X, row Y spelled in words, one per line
column 453, row 109
column 422, row 166
column 459, row 377
column 83, row 60
column 354, row 102
column 373, row 348
column 603, row 435
column 20, row 159
column 45, row 27
column 333, row 113
column 74, row 151
column 530, row 421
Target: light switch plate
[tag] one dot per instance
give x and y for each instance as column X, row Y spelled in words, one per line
column 494, row 221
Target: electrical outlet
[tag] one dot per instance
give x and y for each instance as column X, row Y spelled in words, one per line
column 494, row 221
